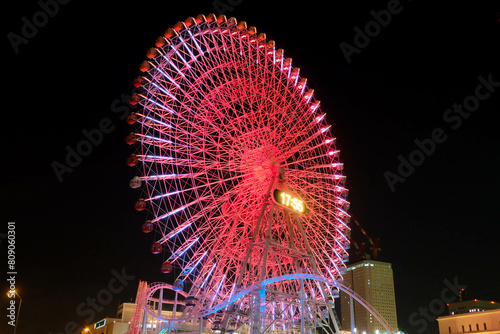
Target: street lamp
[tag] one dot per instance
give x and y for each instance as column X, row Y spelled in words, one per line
column 18, row 309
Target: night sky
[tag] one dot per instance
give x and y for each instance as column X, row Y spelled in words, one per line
column 75, row 233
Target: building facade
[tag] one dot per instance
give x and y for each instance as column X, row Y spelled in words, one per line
column 120, row 324
column 473, row 305
column 373, row 281
column 483, row 322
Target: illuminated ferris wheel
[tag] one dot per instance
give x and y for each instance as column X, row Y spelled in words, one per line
column 241, row 179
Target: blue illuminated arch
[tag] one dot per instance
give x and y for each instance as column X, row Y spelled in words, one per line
column 338, row 284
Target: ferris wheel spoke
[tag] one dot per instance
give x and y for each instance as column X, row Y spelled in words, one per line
column 178, row 229
column 179, row 130
column 317, row 199
column 311, row 136
column 310, row 175
column 192, row 265
column 301, row 161
column 179, row 209
column 170, row 176
column 179, row 252
column 167, row 160
column 190, row 96
column 215, row 84
column 324, row 142
column 152, row 140
column 218, row 182
column 160, row 107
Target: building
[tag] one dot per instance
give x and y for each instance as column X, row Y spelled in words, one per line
column 108, row 326
column 126, row 312
column 120, row 324
column 473, row 305
column 373, row 281
column 483, row 322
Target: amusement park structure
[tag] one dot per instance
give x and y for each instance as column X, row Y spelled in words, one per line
column 242, row 186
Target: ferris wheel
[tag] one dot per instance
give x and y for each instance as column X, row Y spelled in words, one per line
column 240, row 176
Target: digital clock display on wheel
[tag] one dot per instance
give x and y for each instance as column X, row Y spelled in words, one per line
column 291, row 202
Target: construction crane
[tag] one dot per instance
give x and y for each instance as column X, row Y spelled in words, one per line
column 374, row 244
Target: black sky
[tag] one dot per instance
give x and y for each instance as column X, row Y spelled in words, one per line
column 440, row 224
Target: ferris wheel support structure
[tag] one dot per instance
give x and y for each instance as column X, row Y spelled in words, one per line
column 301, row 277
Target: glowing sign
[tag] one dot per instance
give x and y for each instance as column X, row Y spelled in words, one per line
column 100, row 324
column 289, row 201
